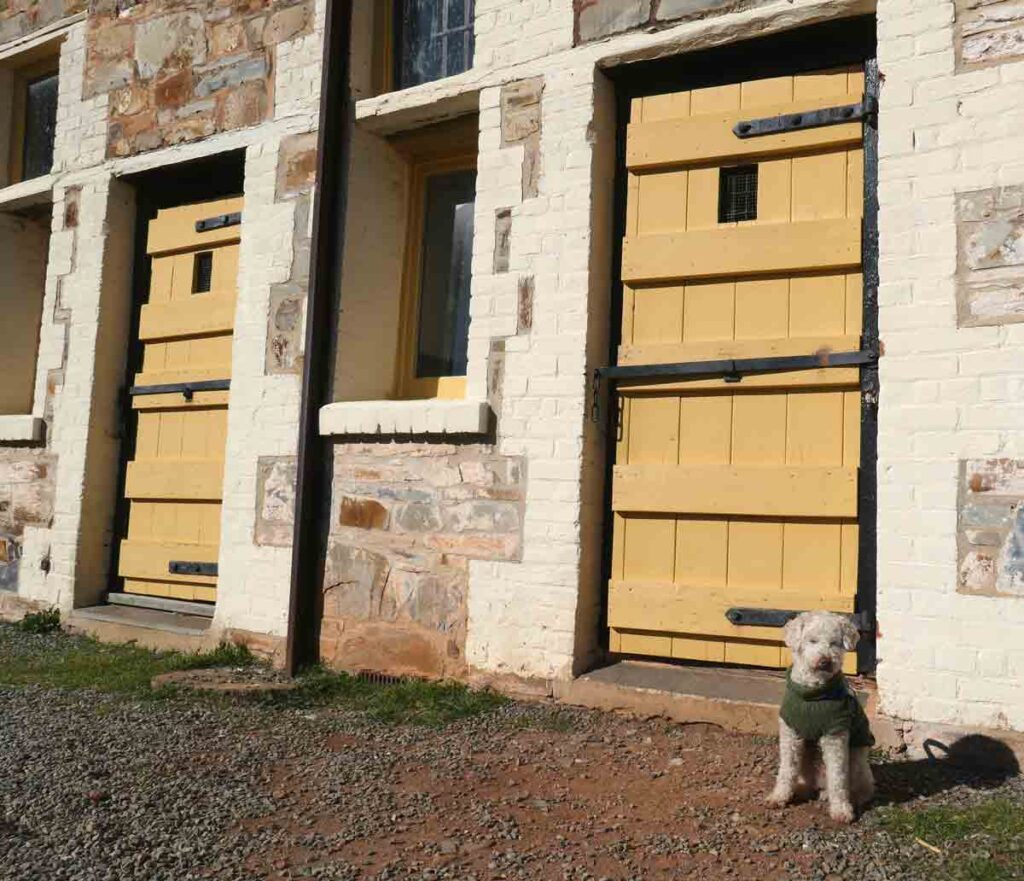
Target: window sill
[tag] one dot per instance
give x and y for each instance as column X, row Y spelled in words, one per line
column 35, row 191
column 417, row 106
column 20, row 429
column 434, row 416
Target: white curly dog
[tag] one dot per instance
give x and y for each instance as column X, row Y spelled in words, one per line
column 824, row 738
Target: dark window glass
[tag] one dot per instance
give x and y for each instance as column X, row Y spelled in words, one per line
column 445, row 275
column 202, row 273
column 434, row 39
column 40, row 126
column 737, row 194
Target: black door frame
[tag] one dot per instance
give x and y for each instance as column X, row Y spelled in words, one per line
column 816, row 47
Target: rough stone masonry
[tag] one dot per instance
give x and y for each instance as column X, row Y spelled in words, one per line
column 26, row 499
column 406, row 520
column 179, row 72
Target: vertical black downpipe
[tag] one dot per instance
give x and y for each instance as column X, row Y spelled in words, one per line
column 312, row 493
column 867, row 557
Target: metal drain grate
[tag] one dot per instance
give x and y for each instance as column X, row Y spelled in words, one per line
column 379, row 678
column 737, row 194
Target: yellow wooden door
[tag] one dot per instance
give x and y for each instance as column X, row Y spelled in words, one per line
column 737, row 492
column 175, row 476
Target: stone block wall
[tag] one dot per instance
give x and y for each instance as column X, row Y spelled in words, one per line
column 178, row 72
column 19, row 18
column 600, row 19
column 26, row 499
column 406, row 520
column 991, row 528
column 990, row 256
column 988, row 32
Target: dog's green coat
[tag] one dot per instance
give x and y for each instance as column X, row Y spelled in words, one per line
column 828, row 709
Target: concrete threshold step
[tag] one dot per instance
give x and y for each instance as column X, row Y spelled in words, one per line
column 160, row 604
column 735, row 699
column 151, row 628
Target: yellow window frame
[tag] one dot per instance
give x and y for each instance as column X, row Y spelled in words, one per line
column 23, row 76
column 383, row 59
column 410, row 386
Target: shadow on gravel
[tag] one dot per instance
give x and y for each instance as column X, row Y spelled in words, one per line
column 976, row 761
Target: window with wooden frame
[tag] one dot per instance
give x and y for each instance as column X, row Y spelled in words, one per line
column 34, row 90
column 419, row 41
column 438, row 266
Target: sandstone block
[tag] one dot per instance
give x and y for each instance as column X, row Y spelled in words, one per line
column 602, row 18
column 990, row 528
column 178, row 39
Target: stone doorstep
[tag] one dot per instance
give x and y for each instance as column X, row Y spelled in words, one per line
column 746, row 701
column 149, row 628
column 138, row 601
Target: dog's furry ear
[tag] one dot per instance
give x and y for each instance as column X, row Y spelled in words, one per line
column 792, row 631
column 851, row 635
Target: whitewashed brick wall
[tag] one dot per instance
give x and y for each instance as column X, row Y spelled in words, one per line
column 522, row 615
column 263, row 415
column 511, row 32
column 76, row 270
column 948, row 393
column 81, row 138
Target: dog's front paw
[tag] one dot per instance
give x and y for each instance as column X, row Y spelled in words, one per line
column 779, row 798
column 842, row 813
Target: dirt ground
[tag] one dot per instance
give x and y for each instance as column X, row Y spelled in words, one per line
column 620, row 799
column 123, row 785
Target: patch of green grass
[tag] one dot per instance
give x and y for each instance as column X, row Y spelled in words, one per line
column 998, row 818
column 40, row 622
column 981, row 842
column 58, row 660
column 406, row 702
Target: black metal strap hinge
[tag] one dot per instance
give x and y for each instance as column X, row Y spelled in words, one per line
column 731, row 370
column 866, row 108
column 744, row 617
column 190, row 567
column 219, row 222
column 187, row 389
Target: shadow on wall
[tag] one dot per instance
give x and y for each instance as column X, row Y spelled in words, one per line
column 976, row 761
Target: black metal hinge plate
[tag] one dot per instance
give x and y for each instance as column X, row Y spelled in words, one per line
column 188, row 389
column 745, row 617
column 731, row 370
column 790, row 122
column 189, row 567
column 219, row 222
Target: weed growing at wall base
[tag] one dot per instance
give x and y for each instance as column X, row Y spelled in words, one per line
column 40, row 622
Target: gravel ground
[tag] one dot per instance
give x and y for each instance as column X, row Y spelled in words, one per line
column 104, row 787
